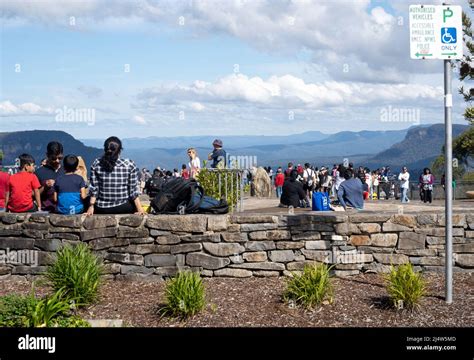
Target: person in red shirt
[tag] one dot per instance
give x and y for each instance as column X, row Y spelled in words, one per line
column 184, row 172
column 21, row 187
column 4, row 180
column 279, row 180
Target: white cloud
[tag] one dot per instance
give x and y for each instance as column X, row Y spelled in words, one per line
column 7, row 108
column 285, row 91
column 372, row 42
column 137, row 119
column 197, row 106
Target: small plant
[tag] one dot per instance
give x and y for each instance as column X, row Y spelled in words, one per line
column 29, row 311
column 77, row 271
column 185, row 295
column 49, row 308
column 405, row 287
column 16, row 310
column 222, row 183
column 312, row 287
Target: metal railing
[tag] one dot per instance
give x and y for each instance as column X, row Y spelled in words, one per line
column 224, row 183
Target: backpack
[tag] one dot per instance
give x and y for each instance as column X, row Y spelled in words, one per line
column 210, row 205
column 320, row 201
column 178, row 195
column 153, row 186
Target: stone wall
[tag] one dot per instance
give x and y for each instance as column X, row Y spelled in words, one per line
column 154, row 247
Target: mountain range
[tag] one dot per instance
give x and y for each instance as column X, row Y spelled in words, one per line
column 415, row 147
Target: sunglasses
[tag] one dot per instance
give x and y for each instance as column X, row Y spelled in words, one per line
column 56, row 158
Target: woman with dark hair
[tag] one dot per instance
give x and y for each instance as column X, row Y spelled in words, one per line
column 114, row 186
column 427, row 183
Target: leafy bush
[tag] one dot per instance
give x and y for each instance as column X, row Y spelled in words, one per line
column 228, row 190
column 49, row 308
column 29, row 311
column 185, row 295
column 404, row 286
column 16, row 310
column 76, row 270
column 311, row 287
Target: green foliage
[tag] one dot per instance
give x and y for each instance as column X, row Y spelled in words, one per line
column 185, row 295
column 227, row 189
column 29, row 311
column 466, row 71
column 76, row 270
column 49, row 308
column 311, row 287
column 16, row 310
column 404, row 286
column 463, row 147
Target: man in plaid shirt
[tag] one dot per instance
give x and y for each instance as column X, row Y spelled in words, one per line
column 114, row 186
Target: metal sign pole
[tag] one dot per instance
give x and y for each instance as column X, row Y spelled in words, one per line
column 448, row 103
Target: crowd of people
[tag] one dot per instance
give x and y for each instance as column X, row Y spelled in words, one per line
column 61, row 184
column 345, row 185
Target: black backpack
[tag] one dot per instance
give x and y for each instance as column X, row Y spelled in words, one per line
column 209, row 205
column 178, row 195
column 153, row 186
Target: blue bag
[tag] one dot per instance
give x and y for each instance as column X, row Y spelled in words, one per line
column 320, row 201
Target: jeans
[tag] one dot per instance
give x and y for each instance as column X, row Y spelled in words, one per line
column 279, row 190
column 2, row 209
column 404, row 195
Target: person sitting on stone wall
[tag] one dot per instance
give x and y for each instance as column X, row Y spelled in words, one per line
column 292, row 192
column 114, row 186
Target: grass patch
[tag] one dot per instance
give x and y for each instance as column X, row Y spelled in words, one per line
column 77, row 272
column 185, row 295
column 405, row 287
column 310, row 288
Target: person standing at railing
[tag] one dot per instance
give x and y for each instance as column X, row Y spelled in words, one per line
column 194, row 163
column 404, row 178
column 427, row 181
column 218, row 155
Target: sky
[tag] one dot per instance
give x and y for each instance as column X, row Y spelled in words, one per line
column 139, row 68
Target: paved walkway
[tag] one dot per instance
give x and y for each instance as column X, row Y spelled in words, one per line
column 254, row 205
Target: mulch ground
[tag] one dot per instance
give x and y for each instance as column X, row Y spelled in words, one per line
column 360, row 301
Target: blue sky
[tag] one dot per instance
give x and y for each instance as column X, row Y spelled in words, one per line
column 167, row 68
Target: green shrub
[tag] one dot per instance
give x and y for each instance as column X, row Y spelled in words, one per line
column 311, row 287
column 228, row 190
column 16, row 310
column 76, row 270
column 185, row 295
column 29, row 311
column 49, row 308
column 404, row 286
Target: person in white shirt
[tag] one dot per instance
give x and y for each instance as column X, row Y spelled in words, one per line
column 404, row 178
column 194, row 163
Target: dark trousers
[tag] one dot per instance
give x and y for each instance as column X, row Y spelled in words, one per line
column 427, row 195
column 126, row 208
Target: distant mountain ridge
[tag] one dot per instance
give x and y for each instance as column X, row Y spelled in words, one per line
column 34, row 142
column 414, row 147
column 419, row 148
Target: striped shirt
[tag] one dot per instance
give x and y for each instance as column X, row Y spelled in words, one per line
column 114, row 188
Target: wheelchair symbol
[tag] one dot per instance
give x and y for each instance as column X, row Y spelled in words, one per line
column 448, row 35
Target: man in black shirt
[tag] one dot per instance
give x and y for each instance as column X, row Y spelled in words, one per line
column 48, row 173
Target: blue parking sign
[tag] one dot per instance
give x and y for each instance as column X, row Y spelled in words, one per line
column 448, row 35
